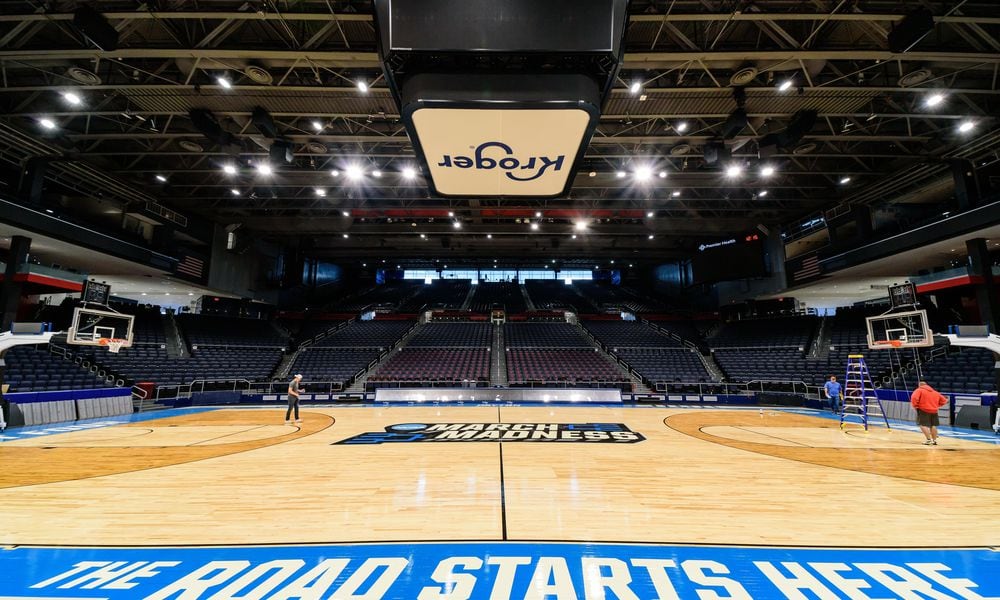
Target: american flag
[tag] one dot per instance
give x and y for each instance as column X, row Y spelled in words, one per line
column 191, row 266
column 808, row 268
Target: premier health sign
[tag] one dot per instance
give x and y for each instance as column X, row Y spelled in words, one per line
column 496, row 571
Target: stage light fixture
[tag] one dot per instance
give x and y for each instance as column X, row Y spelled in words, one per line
column 363, row 87
column 786, row 85
column 681, row 127
column 734, row 171
column 767, row 171
column 409, row 173
column 229, row 169
column 317, row 126
column 845, row 181
column 224, row 83
column 47, row 123
column 934, row 99
column 234, row 192
column 643, row 173
column 161, row 178
column 355, row 173
column 635, row 88
column 320, row 192
column 72, row 98
column 966, row 126
column 264, row 169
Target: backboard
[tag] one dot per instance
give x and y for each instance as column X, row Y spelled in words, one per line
column 907, row 329
column 94, row 327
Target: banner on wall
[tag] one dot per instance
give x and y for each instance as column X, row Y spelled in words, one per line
column 496, row 571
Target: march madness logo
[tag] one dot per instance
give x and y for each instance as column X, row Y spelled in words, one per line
column 587, row 433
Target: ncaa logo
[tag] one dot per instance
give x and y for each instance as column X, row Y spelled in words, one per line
column 517, row 169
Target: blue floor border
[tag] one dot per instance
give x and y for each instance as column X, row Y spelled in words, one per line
column 496, row 571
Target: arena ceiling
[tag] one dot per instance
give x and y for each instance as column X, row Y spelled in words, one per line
column 130, row 138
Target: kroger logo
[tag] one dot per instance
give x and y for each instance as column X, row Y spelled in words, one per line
column 516, row 169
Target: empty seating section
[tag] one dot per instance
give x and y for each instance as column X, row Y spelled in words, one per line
column 554, row 353
column 389, row 294
column 547, row 295
column 151, row 363
column 333, row 364
column 528, row 365
column 498, row 295
column 605, row 294
column 441, row 353
column 544, row 335
column 366, row 334
column 687, row 330
column 147, row 327
column 307, row 329
column 35, row 369
column 657, row 365
column 967, row 372
column 440, row 293
column 205, row 330
column 793, row 332
column 628, row 334
column 453, row 335
column 435, row 365
column 655, row 356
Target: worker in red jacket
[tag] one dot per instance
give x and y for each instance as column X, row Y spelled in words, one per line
column 926, row 400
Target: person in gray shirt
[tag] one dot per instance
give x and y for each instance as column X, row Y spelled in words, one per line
column 293, row 399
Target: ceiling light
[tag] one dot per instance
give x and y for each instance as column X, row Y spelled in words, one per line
column 762, row 193
column 144, row 293
column 592, row 174
column 934, row 100
column 676, row 193
column 650, row 214
column 456, row 225
column 785, row 85
column 409, row 173
column 423, row 237
column 663, row 174
column 489, row 236
column 580, row 226
column 451, row 214
column 734, row 171
column 335, row 173
column 534, row 226
column 845, row 181
column 538, row 214
column 767, row 171
column 345, row 213
column 681, row 127
column 966, row 126
column 72, row 98
column 229, row 169
column 161, row 178
column 573, row 236
column 620, row 174
column 317, row 126
column 190, row 293
column 363, row 87
column 234, row 192
column 320, row 192
column 643, row 173
column 225, row 83
column 354, row 173
column 346, row 236
column 264, row 169
column 635, row 88
column 376, row 173
column 651, row 236
column 166, row 294
column 47, row 123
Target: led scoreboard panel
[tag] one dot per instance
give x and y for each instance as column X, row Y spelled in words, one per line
column 96, row 292
column 903, row 295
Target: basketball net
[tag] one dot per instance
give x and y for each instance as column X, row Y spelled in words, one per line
column 113, row 344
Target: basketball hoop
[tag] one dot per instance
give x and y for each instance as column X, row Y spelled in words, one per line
column 113, row 344
column 892, row 343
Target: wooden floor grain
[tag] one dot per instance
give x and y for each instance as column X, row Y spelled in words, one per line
column 701, row 476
